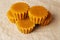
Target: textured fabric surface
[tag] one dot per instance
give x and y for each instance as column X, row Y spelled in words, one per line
column 9, row 31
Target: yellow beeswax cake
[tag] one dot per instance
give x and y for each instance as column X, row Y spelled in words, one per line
column 37, row 14
column 20, row 10
column 10, row 17
column 25, row 26
column 47, row 20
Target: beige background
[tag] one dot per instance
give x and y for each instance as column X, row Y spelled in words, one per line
column 9, row 31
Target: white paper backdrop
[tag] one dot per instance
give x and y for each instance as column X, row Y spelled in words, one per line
column 9, row 31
